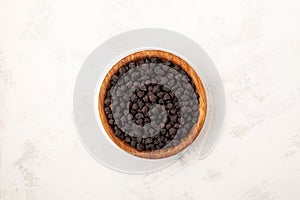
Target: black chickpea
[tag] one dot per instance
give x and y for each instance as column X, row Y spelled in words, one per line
column 175, row 115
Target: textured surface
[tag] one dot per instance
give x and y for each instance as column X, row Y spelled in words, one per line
column 255, row 45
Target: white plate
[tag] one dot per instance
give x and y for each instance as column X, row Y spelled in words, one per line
column 89, row 79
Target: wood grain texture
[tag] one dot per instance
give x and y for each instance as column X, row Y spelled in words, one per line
column 162, row 153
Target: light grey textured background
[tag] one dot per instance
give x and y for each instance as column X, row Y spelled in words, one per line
column 255, row 45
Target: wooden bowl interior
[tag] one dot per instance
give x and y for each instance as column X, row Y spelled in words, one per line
column 162, row 55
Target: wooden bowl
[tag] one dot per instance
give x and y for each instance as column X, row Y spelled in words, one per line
column 161, row 153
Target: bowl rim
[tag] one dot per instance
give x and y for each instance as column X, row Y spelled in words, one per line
column 200, row 90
